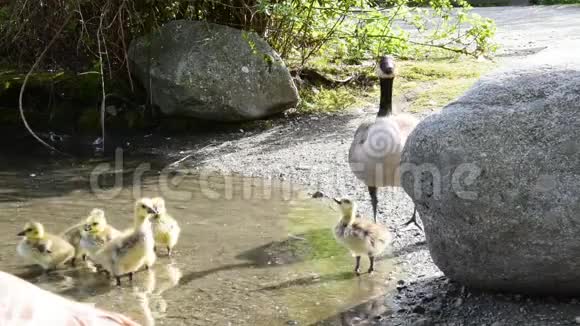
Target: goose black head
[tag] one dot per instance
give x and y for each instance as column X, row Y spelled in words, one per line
column 386, row 67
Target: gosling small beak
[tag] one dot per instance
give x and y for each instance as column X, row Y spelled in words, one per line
column 21, row 234
column 336, row 200
column 87, row 228
column 152, row 211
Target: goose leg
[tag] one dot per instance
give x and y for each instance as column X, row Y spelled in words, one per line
column 374, row 200
column 168, row 251
column 118, row 278
column 357, row 266
column 414, row 219
column 372, row 266
column 131, row 277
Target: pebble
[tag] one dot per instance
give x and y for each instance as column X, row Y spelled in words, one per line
column 423, row 322
column 291, row 322
column 318, row 194
column 577, row 320
column 458, row 302
column 419, row 310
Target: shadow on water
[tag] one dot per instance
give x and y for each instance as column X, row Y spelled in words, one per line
column 256, row 258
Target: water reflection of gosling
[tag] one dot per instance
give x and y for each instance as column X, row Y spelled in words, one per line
column 126, row 254
column 96, row 233
column 360, row 236
column 165, row 228
column 165, row 278
column 42, row 248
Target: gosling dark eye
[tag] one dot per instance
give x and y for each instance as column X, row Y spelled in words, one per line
column 29, row 230
column 95, row 224
column 143, row 206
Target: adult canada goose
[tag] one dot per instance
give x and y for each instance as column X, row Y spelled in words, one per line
column 375, row 152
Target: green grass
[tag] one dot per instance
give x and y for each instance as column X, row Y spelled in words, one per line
column 440, row 94
column 425, row 84
column 433, row 84
column 327, row 100
column 440, row 69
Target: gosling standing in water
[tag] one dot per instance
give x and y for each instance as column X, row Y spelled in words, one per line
column 165, row 228
column 130, row 251
column 360, row 236
column 96, row 233
column 42, row 248
column 73, row 236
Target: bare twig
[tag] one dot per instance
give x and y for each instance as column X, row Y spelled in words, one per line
column 125, row 52
column 99, row 32
column 22, row 116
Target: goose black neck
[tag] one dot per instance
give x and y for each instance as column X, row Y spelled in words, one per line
column 386, row 104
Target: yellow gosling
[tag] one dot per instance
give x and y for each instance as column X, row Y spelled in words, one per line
column 360, row 236
column 166, row 230
column 42, row 248
column 128, row 252
column 96, row 233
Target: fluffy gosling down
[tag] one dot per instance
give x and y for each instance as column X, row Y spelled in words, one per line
column 42, row 248
column 73, row 236
column 360, row 236
column 96, row 233
column 127, row 253
column 166, row 230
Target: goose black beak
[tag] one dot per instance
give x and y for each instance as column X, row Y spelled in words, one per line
column 21, row 234
column 336, row 200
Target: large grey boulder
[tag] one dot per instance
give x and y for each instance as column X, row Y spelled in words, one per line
column 212, row 71
column 496, row 179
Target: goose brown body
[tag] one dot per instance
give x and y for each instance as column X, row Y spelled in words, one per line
column 375, row 151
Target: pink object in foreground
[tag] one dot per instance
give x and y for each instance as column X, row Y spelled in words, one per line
column 24, row 304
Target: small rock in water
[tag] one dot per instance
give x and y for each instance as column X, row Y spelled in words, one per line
column 318, row 194
column 32, row 175
column 291, row 322
column 577, row 320
column 458, row 302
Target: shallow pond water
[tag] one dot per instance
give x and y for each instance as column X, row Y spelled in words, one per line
column 251, row 252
